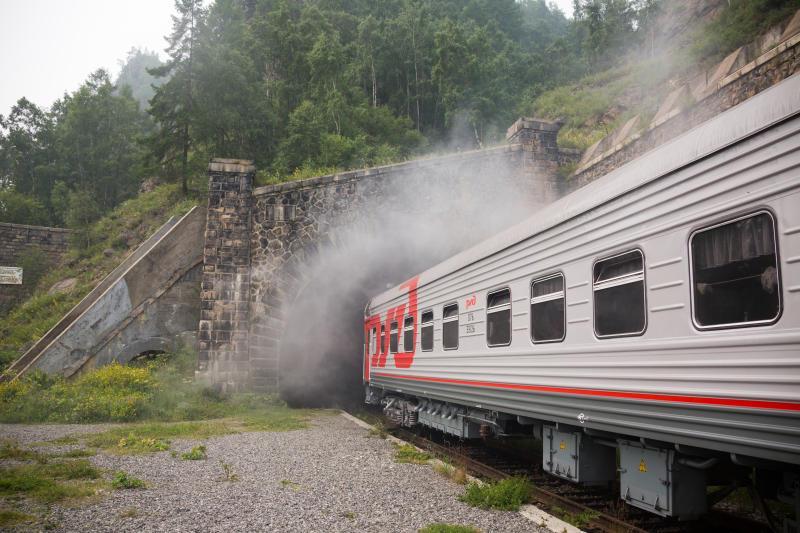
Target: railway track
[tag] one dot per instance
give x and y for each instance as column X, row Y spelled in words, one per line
column 599, row 508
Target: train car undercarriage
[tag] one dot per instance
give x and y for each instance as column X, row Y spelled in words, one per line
column 667, row 479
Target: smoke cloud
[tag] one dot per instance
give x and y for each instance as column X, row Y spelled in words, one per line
column 422, row 219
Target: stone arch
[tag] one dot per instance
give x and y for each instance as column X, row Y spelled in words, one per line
column 144, row 346
column 264, row 246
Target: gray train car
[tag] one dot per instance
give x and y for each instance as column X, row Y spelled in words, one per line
column 654, row 314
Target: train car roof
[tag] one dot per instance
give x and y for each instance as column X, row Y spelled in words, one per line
column 767, row 108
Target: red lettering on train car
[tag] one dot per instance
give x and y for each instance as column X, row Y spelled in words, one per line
column 396, row 314
column 471, row 301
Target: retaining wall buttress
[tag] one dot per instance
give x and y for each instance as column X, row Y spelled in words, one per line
column 223, row 349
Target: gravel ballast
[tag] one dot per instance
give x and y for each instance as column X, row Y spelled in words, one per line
column 329, row 477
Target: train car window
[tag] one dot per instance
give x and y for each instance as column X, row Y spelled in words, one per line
column 619, row 301
column 426, row 330
column 383, row 339
column 735, row 277
column 393, row 337
column 548, row 320
column 450, row 327
column 408, row 334
column 373, row 344
column 498, row 318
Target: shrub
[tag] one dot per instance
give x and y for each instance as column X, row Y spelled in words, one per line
column 456, row 474
column 227, row 472
column 122, row 481
column 742, row 22
column 506, row 495
column 406, row 453
column 160, row 389
column 111, row 393
column 198, row 453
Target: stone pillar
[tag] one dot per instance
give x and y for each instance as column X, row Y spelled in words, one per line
column 541, row 157
column 539, row 141
column 223, row 357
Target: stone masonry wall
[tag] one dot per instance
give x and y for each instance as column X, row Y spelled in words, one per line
column 16, row 239
column 292, row 223
column 222, row 336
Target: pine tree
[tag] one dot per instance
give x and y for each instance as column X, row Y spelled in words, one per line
column 172, row 104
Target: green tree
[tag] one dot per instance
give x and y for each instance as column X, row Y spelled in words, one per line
column 134, row 73
column 97, row 142
column 82, row 210
column 26, row 150
column 20, row 208
column 173, row 103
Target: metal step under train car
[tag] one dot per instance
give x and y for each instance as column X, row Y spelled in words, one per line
column 653, row 314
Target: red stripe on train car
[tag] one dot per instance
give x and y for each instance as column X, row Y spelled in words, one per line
column 672, row 398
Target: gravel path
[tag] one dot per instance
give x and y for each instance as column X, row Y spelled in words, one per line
column 329, row 477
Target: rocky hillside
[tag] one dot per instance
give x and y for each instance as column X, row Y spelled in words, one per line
column 687, row 38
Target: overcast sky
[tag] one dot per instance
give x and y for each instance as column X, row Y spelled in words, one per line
column 48, row 47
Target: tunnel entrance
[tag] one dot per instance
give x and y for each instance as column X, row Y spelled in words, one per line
column 321, row 350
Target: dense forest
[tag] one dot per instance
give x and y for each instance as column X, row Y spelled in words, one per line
column 304, row 87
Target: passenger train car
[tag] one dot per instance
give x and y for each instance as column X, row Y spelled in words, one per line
column 653, row 314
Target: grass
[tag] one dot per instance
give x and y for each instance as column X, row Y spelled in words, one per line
column 198, row 453
column 579, row 520
column 505, row 495
column 130, row 512
column 51, row 482
column 599, row 103
column 65, row 440
column 160, row 389
column 124, row 481
column 448, row 528
column 266, row 177
column 10, row 449
column 378, row 430
column 120, row 231
column 77, row 452
column 286, row 483
column 453, row 473
column 741, row 23
column 152, row 437
column 227, row 472
column 406, row 453
column 10, row 517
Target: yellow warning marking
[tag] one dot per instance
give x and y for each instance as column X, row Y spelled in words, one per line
column 642, row 466
column 563, row 445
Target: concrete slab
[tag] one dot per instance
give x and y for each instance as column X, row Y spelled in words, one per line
column 793, row 28
column 671, row 105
